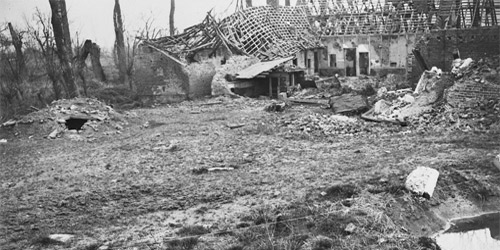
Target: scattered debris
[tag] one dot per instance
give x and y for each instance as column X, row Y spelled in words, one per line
column 309, row 101
column 63, row 238
column 235, row 125
column 216, row 169
column 350, row 228
column 53, row 134
column 422, row 181
column 348, row 103
column 9, row 123
column 276, row 107
column 321, row 125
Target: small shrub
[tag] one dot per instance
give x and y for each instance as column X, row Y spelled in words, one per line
column 182, row 244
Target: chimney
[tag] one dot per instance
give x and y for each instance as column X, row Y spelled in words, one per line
column 287, row 2
column 249, row 3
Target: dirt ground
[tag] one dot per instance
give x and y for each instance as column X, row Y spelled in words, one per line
column 151, row 185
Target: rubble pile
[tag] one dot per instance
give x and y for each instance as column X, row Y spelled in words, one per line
column 320, row 124
column 483, row 71
column 484, row 116
column 471, row 104
column 221, row 83
column 80, row 114
column 327, row 125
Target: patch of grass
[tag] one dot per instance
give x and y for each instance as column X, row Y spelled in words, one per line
column 92, row 247
column 236, row 247
column 342, row 191
column 193, row 230
column 182, row 244
column 319, row 243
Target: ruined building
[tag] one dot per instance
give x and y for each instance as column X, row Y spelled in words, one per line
column 328, row 37
column 377, row 37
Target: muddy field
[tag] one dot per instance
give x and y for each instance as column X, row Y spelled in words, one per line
column 229, row 175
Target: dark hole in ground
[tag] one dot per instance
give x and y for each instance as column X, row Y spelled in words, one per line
column 75, row 123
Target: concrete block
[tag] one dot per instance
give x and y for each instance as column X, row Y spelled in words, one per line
column 422, row 181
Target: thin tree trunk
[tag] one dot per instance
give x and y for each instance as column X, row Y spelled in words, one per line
column 120, row 43
column 63, row 42
column 20, row 70
column 171, row 17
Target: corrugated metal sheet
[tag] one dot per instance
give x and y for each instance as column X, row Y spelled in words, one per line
column 256, row 69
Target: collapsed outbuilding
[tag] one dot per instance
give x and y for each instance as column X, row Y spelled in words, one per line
column 273, row 36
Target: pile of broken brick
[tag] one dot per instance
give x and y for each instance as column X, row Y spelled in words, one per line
column 425, row 108
column 78, row 115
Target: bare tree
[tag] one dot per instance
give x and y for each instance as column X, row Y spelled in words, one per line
column 62, row 37
column 43, row 36
column 19, row 72
column 121, row 53
column 171, row 17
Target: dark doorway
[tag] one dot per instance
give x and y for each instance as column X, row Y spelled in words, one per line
column 316, row 61
column 273, row 89
column 350, row 62
column 364, row 63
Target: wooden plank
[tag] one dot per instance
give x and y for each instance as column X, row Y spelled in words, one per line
column 348, row 103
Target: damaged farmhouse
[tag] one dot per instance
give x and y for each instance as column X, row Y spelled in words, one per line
column 277, row 47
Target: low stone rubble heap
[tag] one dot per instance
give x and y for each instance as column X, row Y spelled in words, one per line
column 83, row 114
column 323, row 124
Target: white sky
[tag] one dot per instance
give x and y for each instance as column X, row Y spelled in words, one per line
column 93, row 19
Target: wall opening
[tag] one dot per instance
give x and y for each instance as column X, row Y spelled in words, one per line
column 316, row 61
column 333, row 60
column 350, row 62
column 364, row 63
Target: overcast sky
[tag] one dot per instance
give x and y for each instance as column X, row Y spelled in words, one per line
column 93, row 19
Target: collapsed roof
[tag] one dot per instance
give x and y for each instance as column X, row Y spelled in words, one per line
column 347, row 17
column 265, row 32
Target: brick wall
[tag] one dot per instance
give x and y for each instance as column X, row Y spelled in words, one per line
column 160, row 79
column 468, row 93
column 437, row 47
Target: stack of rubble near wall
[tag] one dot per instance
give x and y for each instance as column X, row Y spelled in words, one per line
column 264, row 32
